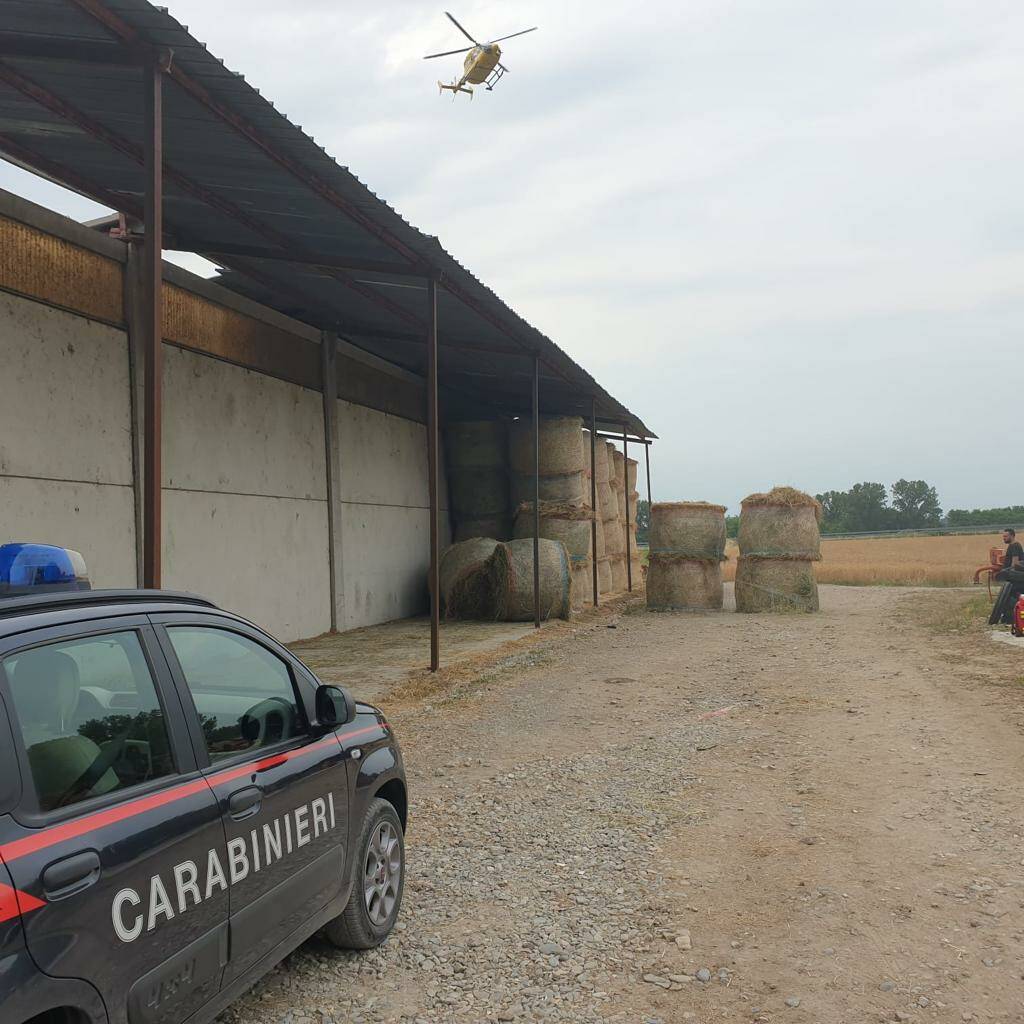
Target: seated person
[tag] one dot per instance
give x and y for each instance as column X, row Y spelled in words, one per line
column 1012, row 577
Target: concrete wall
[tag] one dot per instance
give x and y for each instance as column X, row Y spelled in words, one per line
column 65, row 437
column 384, row 516
column 245, row 470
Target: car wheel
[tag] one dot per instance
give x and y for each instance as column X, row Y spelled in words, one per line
column 378, row 878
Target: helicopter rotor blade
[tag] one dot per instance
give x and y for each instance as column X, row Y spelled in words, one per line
column 501, row 39
column 447, row 53
column 461, row 29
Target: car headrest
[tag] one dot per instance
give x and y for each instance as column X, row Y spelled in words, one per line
column 45, row 686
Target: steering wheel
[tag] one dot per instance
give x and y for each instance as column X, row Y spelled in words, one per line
column 259, row 714
column 106, row 760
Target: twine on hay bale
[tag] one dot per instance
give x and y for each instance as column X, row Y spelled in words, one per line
column 782, row 524
column 775, row 585
column 467, row 555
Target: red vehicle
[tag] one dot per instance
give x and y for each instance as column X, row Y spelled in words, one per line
column 1018, row 618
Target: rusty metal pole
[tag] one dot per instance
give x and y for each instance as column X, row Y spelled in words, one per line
column 593, row 494
column 536, row 492
column 647, row 466
column 432, row 460
column 625, row 487
column 152, row 328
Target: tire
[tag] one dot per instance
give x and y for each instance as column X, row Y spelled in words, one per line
column 376, row 898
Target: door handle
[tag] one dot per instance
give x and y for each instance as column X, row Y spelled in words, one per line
column 71, row 875
column 244, row 803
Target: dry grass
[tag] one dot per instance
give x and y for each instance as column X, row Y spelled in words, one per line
column 897, row 561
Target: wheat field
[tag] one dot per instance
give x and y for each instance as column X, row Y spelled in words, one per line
column 898, row 561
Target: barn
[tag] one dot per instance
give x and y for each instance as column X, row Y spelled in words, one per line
column 269, row 437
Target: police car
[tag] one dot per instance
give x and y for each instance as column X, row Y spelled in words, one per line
column 182, row 803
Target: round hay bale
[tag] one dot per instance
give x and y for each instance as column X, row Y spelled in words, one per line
column 581, row 590
column 614, row 537
column 567, row 488
column 631, row 469
column 688, row 529
column 495, row 527
column 477, row 444
column 560, row 443
column 634, row 505
column 620, row 498
column 602, row 470
column 510, row 574
column 467, row 555
column 569, row 524
column 479, row 492
column 683, row 584
column 471, row 595
column 618, row 567
column 780, row 524
column 607, row 503
column 604, row 575
column 618, row 469
column 602, row 549
column 775, row 585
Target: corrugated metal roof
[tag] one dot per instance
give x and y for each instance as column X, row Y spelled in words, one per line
column 245, row 183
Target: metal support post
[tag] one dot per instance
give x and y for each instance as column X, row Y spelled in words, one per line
column 152, row 328
column 329, row 383
column 625, row 487
column 593, row 494
column 536, row 492
column 432, row 470
column 647, row 466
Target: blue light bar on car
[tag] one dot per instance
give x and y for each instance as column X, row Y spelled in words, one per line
column 40, row 569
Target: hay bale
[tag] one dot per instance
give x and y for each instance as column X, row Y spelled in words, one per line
column 780, row 524
column 602, row 469
column 569, row 524
column 510, row 571
column 495, row 527
column 602, row 549
column 466, row 556
column 479, row 492
column 560, row 443
column 614, row 537
column 634, row 505
column 604, row 575
column 618, row 568
column 607, row 503
column 631, row 469
column 688, row 529
column 581, row 588
column 566, row 488
column 618, row 469
column 683, row 584
column 775, row 585
column 620, row 498
column 476, row 444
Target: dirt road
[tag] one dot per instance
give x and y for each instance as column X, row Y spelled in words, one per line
column 707, row 818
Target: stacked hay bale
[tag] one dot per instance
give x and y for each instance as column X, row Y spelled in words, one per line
column 615, row 526
column 467, row 556
column 634, row 503
column 605, row 505
column 478, row 479
column 779, row 542
column 564, row 486
column 502, row 587
column 687, row 546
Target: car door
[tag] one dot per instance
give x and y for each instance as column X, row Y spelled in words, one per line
column 110, row 843
column 282, row 791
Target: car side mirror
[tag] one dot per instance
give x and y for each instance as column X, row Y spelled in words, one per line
column 335, row 707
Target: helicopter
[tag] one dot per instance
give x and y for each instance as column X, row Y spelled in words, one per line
column 482, row 65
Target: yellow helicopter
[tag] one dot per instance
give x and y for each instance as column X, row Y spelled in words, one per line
column 482, row 65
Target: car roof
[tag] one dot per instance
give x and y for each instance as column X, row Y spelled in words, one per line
column 32, row 611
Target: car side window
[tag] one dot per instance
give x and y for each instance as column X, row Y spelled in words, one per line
column 89, row 717
column 243, row 693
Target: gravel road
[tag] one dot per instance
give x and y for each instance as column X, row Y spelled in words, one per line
column 706, row 818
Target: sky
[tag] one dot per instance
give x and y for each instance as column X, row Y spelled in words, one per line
column 789, row 234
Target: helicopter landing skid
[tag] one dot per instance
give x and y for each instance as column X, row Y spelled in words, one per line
column 454, row 88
